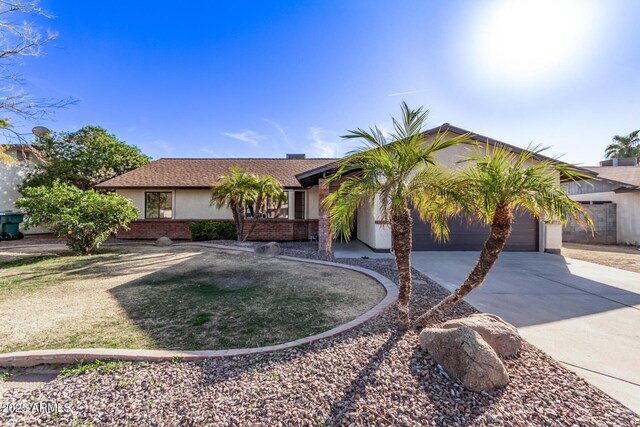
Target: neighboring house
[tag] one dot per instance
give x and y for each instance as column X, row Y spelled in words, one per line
column 172, row 193
column 12, row 174
column 613, row 198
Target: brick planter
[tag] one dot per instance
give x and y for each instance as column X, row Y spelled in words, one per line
column 267, row 230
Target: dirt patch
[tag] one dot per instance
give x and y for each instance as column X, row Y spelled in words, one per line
column 622, row 257
column 173, row 298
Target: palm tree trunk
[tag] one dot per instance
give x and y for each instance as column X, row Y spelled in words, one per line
column 401, row 242
column 237, row 221
column 500, row 230
column 253, row 227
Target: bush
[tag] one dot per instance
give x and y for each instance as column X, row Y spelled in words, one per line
column 85, row 218
column 212, row 230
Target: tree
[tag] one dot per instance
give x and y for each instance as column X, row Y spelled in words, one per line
column 85, row 218
column 624, row 146
column 402, row 171
column 83, row 158
column 20, row 38
column 495, row 184
column 244, row 191
column 267, row 198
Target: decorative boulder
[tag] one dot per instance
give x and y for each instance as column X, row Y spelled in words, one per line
column 164, row 241
column 500, row 335
column 270, row 249
column 465, row 356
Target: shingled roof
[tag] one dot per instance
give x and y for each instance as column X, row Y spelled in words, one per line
column 624, row 174
column 203, row 173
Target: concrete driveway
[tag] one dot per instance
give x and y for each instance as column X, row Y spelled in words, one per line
column 585, row 315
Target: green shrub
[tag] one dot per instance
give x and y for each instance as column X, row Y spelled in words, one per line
column 85, row 218
column 212, row 230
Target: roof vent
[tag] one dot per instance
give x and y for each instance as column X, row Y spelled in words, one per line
column 296, row 156
column 625, row 161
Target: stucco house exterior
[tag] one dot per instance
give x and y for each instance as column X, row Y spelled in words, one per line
column 172, row 193
column 613, row 198
column 11, row 176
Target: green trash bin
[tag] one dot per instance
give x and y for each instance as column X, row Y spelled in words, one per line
column 11, row 225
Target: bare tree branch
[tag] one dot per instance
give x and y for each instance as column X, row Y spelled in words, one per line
column 20, row 38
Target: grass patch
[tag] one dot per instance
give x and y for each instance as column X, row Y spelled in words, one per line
column 101, row 366
column 176, row 298
column 200, row 319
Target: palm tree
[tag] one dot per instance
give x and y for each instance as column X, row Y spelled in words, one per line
column 496, row 183
column 236, row 190
column 268, row 195
column 402, row 172
column 624, row 146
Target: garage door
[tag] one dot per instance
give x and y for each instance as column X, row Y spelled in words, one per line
column 471, row 237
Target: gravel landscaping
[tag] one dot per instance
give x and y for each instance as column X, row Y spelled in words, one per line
column 370, row 375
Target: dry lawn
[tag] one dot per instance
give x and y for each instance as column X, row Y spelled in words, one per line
column 622, row 257
column 171, row 298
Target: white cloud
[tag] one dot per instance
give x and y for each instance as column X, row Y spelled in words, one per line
column 210, row 152
column 410, row 92
column 384, row 128
column 323, row 144
column 280, row 130
column 245, row 136
column 159, row 148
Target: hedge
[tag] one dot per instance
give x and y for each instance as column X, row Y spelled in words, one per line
column 212, row 230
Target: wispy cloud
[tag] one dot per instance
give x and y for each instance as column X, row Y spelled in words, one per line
column 159, row 148
column 385, row 128
column 323, row 143
column 405, row 93
column 211, row 152
column 280, row 130
column 245, row 136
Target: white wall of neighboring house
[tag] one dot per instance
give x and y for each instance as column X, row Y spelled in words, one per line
column 11, row 177
column 627, row 213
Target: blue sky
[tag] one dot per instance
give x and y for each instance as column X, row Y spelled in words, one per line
column 264, row 78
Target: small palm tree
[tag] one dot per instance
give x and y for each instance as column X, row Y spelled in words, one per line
column 268, row 196
column 624, row 146
column 236, row 190
column 496, row 183
column 402, row 172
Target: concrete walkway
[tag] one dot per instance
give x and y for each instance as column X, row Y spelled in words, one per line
column 585, row 315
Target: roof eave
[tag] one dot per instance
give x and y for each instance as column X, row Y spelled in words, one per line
column 446, row 127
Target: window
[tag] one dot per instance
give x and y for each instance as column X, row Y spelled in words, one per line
column 272, row 212
column 299, row 207
column 283, row 212
column 158, row 205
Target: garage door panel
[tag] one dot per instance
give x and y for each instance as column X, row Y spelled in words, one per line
column 466, row 236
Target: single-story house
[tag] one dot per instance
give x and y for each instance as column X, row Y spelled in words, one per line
column 172, row 193
column 12, row 174
column 613, row 198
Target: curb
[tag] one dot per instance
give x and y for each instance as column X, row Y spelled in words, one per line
column 69, row 356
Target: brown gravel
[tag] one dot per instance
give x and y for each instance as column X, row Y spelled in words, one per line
column 623, row 257
column 371, row 375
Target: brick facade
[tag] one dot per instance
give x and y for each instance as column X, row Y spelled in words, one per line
column 325, row 237
column 267, row 230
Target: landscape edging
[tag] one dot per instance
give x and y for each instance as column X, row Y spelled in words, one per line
column 69, row 356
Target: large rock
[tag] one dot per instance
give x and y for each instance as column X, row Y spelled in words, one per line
column 164, row 241
column 500, row 335
column 466, row 357
column 270, row 249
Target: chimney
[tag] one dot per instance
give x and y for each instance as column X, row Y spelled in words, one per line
column 296, row 156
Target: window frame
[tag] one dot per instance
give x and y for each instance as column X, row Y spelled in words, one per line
column 173, row 208
column 304, row 201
